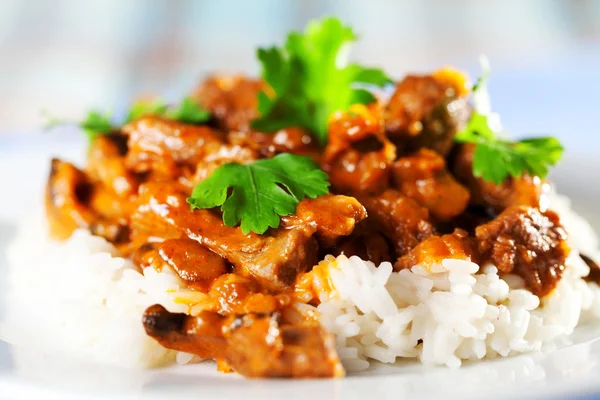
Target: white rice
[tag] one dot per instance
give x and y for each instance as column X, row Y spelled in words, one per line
column 81, row 298
column 456, row 310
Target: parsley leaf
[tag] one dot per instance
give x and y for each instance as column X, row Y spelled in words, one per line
column 257, row 194
column 141, row 108
column 94, row 124
column 188, row 112
column 497, row 158
column 97, row 123
column 309, row 79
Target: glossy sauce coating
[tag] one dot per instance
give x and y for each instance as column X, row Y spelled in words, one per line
column 399, row 183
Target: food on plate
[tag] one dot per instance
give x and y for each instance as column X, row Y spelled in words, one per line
column 307, row 222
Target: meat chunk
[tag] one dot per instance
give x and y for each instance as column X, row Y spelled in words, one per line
column 293, row 140
column 401, row 219
column 229, row 294
column 193, row 263
column 201, row 335
column 527, row 242
column 366, row 242
column 358, row 156
column 73, row 201
column 473, row 216
column 330, row 216
column 162, row 145
column 68, row 192
column 253, row 345
column 423, row 176
column 273, row 259
column 259, row 346
column 524, row 191
column 231, row 99
column 106, row 164
column 435, row 249
column 427, row 111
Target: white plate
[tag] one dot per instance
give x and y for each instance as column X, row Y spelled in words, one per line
column 25, row 372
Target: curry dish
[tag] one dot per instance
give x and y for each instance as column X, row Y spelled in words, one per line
column 402, row 189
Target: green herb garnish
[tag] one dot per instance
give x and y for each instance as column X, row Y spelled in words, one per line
column 142, row 108
column 257, row 194
column 310, row 79
column 97, row 123
column 497, row 158
column 188, row 112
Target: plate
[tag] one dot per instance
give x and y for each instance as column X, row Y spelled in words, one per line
column 26, row 371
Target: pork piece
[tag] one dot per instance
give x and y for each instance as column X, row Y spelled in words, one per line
column 365, row 242
column 106, row 203
column 201, row 335
column 287, row 140
column 401, row 219
column 330, row 216
column 72, row 202
column 116, row 232
column 230, row 292
column 473, row 216
column 254, row 345
column 191, row 261
column 161, row 145
column 231, row 99
column 527, row 242
column 68, row 192
column 435, row 249
column 259, row 346
column 273, row 259
column 423, row 176
column 358, row 156
column 427, row 111
column 106, row 164
column 524, row 191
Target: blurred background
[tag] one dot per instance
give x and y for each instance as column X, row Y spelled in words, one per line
column 66, row 56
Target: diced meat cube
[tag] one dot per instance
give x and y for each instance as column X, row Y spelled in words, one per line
column 427, row 111
column 423, row 176
column 401, row 219
column 527, row 242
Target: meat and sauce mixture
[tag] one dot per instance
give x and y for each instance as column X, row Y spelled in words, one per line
column 402, row 190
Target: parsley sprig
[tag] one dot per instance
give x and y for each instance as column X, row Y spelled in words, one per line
column 309, row 79
column 495, row 157
column 101, row 123
column 188, row 111
column 258, row 194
